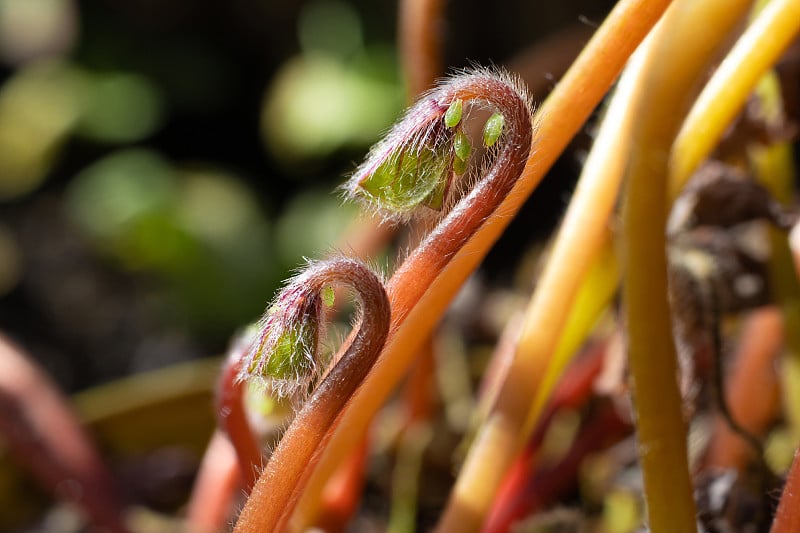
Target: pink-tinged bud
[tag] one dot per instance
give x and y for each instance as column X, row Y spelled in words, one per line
column 414, row 165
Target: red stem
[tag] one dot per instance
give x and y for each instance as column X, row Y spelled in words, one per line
column 787, row 518
column 427, row 261
column 275, row 494
column 218, row 481
column 44, row 434
column 573, row 391
column 548, row 484
column 233, row 419
column 343, row 491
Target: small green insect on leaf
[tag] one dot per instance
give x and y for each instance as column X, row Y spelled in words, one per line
column 493, row 129
column 453, row 114
column 328, row 296
column 462, row 146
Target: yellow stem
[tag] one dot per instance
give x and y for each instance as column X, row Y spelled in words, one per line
column 582, row 236
column 726, row 93
column 559, row 118
column 690, row 34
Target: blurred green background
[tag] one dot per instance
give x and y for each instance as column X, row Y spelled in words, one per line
column 164, row 165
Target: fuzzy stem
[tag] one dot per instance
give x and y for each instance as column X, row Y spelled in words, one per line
column 281, row 483
column 725, row 94
column 560, row 117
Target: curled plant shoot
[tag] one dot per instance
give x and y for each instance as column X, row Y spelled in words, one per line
column 419, row 289
column 285, row 357
column 416, row 164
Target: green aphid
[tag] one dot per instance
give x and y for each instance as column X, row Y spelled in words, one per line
column 493, row 129
column 453, row 114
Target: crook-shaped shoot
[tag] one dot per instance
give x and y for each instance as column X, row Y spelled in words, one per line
column 287, row 350
column 416, row 163
column 422, row 271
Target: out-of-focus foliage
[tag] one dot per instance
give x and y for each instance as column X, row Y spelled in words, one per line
column 338, row 93
column 38, row 108
column 114, row 122
column 200, row 228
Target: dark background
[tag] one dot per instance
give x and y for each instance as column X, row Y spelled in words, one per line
column 160, row 215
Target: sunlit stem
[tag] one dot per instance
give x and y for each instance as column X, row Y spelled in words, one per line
column 286, row 473
column 559, row 118
column 685, row 42
column 734, row 80
column 581, row 237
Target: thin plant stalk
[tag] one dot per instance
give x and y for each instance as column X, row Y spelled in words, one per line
column 559, row 119
column 283, row 478
column 420, row 43
column 583, row 234
column 590, row 305
column 687, row 38
column 343, row 491
column 44, row 434
column 725, row 94
column 233, row 418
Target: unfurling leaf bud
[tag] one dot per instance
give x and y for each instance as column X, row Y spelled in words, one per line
column 407, row 177
column 414, row 165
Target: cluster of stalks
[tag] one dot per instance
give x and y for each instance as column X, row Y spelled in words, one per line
column 461, row 177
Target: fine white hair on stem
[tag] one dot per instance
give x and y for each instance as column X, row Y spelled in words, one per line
column 421, row 137
column 285, row 355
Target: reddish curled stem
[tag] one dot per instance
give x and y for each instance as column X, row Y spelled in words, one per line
column 44, row 434
column 283, row 479
column 427, row 261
